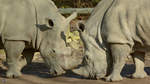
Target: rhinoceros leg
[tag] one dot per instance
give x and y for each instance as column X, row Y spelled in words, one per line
column 14, row 59
column 28, row 53
column 138, row 58
column 119, row 53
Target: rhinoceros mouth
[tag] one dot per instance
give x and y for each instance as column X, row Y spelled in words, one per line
column 61, row 62
column 70, row 61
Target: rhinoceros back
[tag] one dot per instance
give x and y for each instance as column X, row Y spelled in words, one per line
column 127, row 22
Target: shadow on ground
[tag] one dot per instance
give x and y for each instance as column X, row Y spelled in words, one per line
column 37, row 69
column 2, row 72
column 40, row 70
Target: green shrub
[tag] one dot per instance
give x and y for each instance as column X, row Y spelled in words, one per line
column 76, row 3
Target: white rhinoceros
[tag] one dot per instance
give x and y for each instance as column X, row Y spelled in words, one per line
column 35, row 23
column 118, row 27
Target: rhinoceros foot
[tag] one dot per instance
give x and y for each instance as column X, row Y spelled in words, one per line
column 14, row 69
column 141, row 74
column 13, row 74
column 113, row 78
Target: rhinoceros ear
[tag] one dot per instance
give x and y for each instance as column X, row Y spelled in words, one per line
column 71, row 17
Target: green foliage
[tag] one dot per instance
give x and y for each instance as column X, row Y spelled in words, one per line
column 76, row 3
column 95, row 1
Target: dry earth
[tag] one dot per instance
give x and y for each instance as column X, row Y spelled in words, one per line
column 37, row 73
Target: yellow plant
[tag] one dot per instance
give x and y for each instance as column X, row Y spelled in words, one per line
column 2, row 52
column 73, row 39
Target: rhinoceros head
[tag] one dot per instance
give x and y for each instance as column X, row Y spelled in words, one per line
column 53, row 45
column 96, row 57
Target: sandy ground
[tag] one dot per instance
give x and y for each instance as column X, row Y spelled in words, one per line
column 37, row 73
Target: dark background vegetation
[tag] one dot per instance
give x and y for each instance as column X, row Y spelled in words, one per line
column 75, row 3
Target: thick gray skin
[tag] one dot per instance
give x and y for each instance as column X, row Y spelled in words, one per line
column 96, row 59
column 38, row 24
column 124, row 28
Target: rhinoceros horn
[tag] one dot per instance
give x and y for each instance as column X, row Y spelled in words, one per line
column 71, row 17
column 82, row 71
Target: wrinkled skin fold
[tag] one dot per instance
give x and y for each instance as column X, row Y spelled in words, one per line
column 114, row 31
column 36, row 25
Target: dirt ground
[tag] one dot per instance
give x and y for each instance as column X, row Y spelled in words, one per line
column 37, row 73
